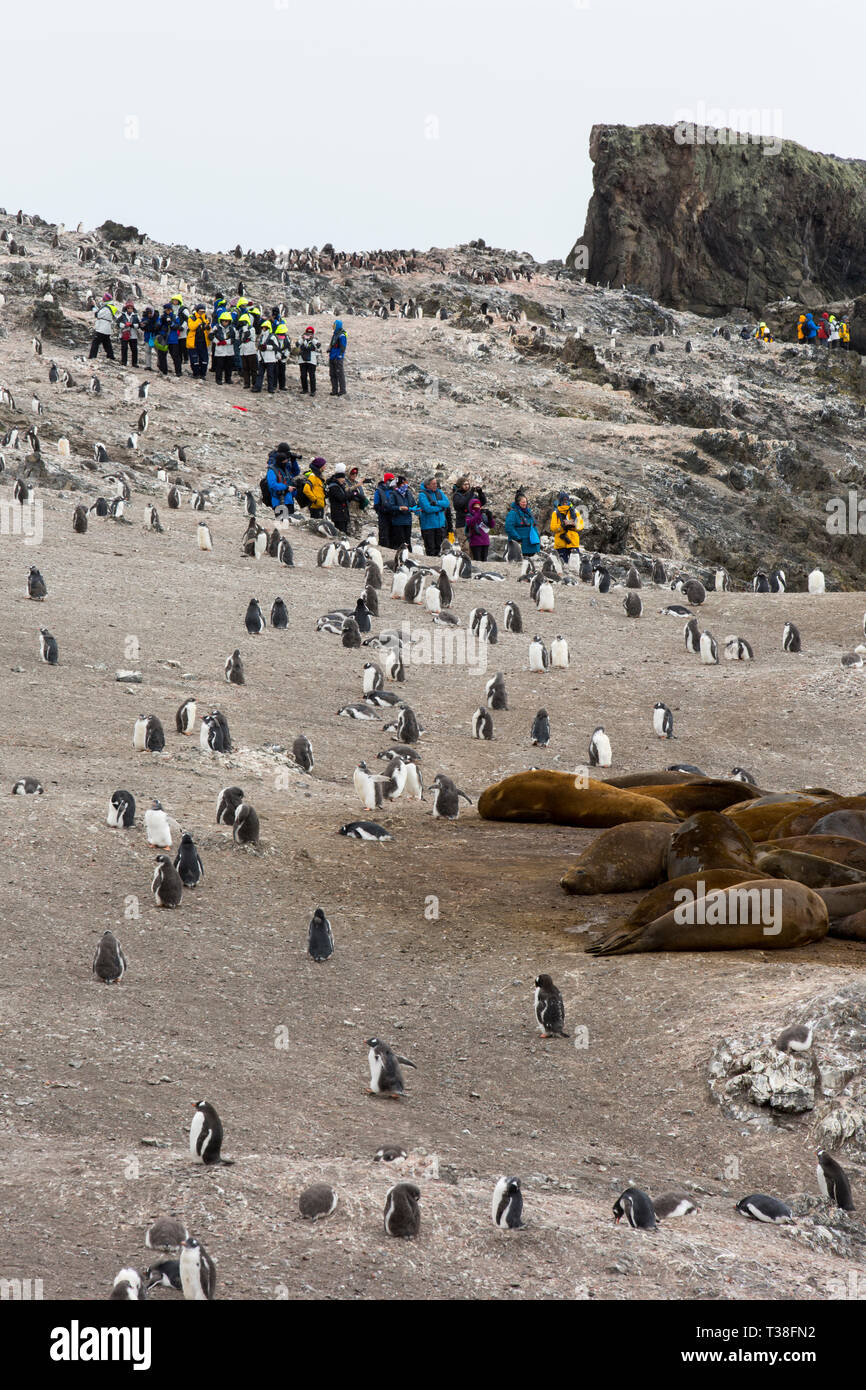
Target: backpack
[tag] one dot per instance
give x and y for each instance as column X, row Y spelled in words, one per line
column 265, row 491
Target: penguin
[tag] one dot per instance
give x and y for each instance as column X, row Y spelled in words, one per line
column 432, row 599
column 601, row 580
column 406, row 728
column 544, row 598
column 512, row 619
column 234, row 669
column 540, row 733
column 833, row 1181
column 633, row 604
column 245, row 830
column 585, row 571
column 350, row 634
column 116, row 508
column 302, row 752
column 188, row 862
column 686, row 767
column 363, row 710
column 279, row 614
column 692, row 635
column 738, row 649
column 413, row 785
column 228, row 802
column 507, row 1206
column 694, row 591
column 148, row 734
column 446, row 591
column 197, row 1272
column 446, row 798
column 368, row 786
column 128, row 1285
column 109, row 963
column 797, row 1038
column 663, row 721
column 157, row 829
column 373, row 677
column 673, row 1204
column 173, row 498
column 389, row 1153
column 166, row 1233
column 249, row 504
column 185, row 717
column 121, row 810
column 317, row 1202
column 559, row 654
column 132, row 440
column 79, row 520
column 143, row 390
column 151, row 519
column 852, row 659
column 196, row 501
column 386, row 1078
column 739, row 774
column 549, row 1008
column 709, row 649
column 143, row 422
column 815, row 582
column 254, row 619
column 402, row 1213
column 759, row 1207
column 637, row 1208
column 223, row 723
column 676, row 610
column 203, row 534
column 364, row 830
column 36, row 587
column 495, row 692
column 206, row 1135
column 412, row 589
column 538, row 655
column 320, row 937
column 482, row 724
column 398, row 583
column 164, row 1274
column 722, row 581
column 791, row 638
column 599, row 749
column 48, row 651
column 632, row 578
column 760, row 583
column 487, row 629
column 100, row 507
column 166, row 884
column 777, row 582
column 28, row 786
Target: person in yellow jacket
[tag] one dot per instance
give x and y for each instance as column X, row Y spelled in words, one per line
column 763, row 333
column 313, row 488
column 198, row 341
column 566, row 524
column 801, row 321
column 844, row 333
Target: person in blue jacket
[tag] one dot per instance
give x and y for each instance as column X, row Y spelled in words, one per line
column 336, row 353
column 400, row 506
column 279, row 481
column 433, row 514
column 520, row 525
column 810, row 329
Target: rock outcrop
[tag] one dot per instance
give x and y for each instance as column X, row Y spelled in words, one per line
column 717, row 226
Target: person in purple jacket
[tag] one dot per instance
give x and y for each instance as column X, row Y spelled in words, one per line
column 478, row 519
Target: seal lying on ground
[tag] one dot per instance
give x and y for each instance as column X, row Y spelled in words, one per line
column 708, row 840
column 760, row 819
column 810, row 869
column 621, row 860
column 663, row 898
column 841, row 849
column 766, row 913
column 701, row 794
column 804, row 822
column 560, row 798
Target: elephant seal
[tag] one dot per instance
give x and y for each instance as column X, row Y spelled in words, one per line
column 704, row 794
column 803, row 822
column 768, row 914
column 560, row 798
column 709, row 840
column 851, row 928
column 653, row 779
column 621, row 860
column 662, row 899
column 840, row 849
column 810, row 869
column 845, row 901
column 760, row 819
column 852, row 824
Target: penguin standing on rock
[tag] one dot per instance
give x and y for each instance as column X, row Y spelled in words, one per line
column 156, row 827
column 402, row 1212
column 599, row 749
column 48, row 651
column 320, row 937
column 121, row 810
column 185, row 717
column 36, row 587
column 228, row 801
column 302, row 752
column 495, row 692
column 637, row 1208
column 446, row 798
column 234, row 669
column 549, row 1008
column 206, row 1134
column 791, row 639
column 709, row 649
column 197, row 1272
column 188, row 862
column 109, row 963
column 482, row 724
column 833, row 1181
column 663, row 721
column 513, row 620
column 204, row 536
column 538, row 656
column 559, row 654
column 148, row 735
column 254, row 620
column 507, row 1207
column 167, row 887
column 245, row 830
column 540, row 732
column 386, row 1078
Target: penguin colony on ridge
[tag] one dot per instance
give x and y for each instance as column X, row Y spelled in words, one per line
column 199, row 1280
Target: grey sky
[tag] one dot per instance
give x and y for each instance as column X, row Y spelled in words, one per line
column 386, row 122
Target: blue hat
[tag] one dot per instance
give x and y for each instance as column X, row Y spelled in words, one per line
column 563, row 497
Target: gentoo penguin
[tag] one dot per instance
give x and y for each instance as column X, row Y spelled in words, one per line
column 791, row 638
column 402, row 1212
column 148, row 735
column 128, row 1285
column 386, row 1078
column 320, row 937
column 482, row 724
column 185, row 717
column 495, row 693
column 166, row 886
column 166, row 1233
column 206, row 1134
column 723, row 581
column 673, row 1204
column 797, row 1038
column 686, row 767
column 739, row 774
column 362, row 710
column 446, row 798
column 364, row 830
column 204, row 536
column 350, row 633
column 507, row 1205
column 36, row 587
column 197, row 1272
column 121, row 810
column 211, row 734
column 151, row 518
column 637, row 1208
column 759, row 1207
column 512, row 619
column 833, row 1181
column 815, row 582
column 738, row 649
column 633, row 604
column 28, row 786
column 254, row 619
column 398, row 583
column 165, row 1274
column 234, row 669
column 109, row 963
column 245, row 830
column 760, row 583
column 173, row 498
column 663, row 721
column 446, row 591
column 406, row 727
column 601, row 579
column 22, row 492
column 558, row 654
column 100, row 507
column 852, row 659
column 196, row 501
column 544, row 598
column 132, row 440
column 157, row 829
column 539, row 735
column 302, row 752
column 694, row 591
column 632, row 578
column 368, row 786
column 249, row 504
column 373, row 677
column 389, row 1153
column 487, row 629
column 599, row 749
column 317, row 1202
column 549, row 1008
column 709, row 649
column 219, row 718
column 692, row 635
column 47, row 647
column 538, row 657
column 676, row 610
column 279, row 614
column 659, row 573
column 188, row 863
column 228, row 802
column 79, row 520
column 413, row 588
column 777, row 581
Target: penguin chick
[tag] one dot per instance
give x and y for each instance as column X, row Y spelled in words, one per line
column 549, row 1008
column 386, row 1078
column 206, row 1134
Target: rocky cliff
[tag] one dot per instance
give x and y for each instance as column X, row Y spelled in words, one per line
column 713, row 227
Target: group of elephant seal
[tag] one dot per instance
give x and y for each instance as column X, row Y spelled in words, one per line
column 621, row 860
column 563, row 798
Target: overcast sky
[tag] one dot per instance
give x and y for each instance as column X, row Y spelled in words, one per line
column 387, row 122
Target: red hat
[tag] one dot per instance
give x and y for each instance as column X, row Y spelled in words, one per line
column 387, row 477
column 309, row 328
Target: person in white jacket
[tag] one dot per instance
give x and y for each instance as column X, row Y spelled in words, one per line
column 268, row 347
column 103, row 327
column 308, row 352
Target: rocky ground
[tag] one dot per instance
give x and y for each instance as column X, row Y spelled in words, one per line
column 441, row 932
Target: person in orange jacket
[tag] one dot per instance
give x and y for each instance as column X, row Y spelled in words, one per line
column 198, row 341
column 566, row 524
